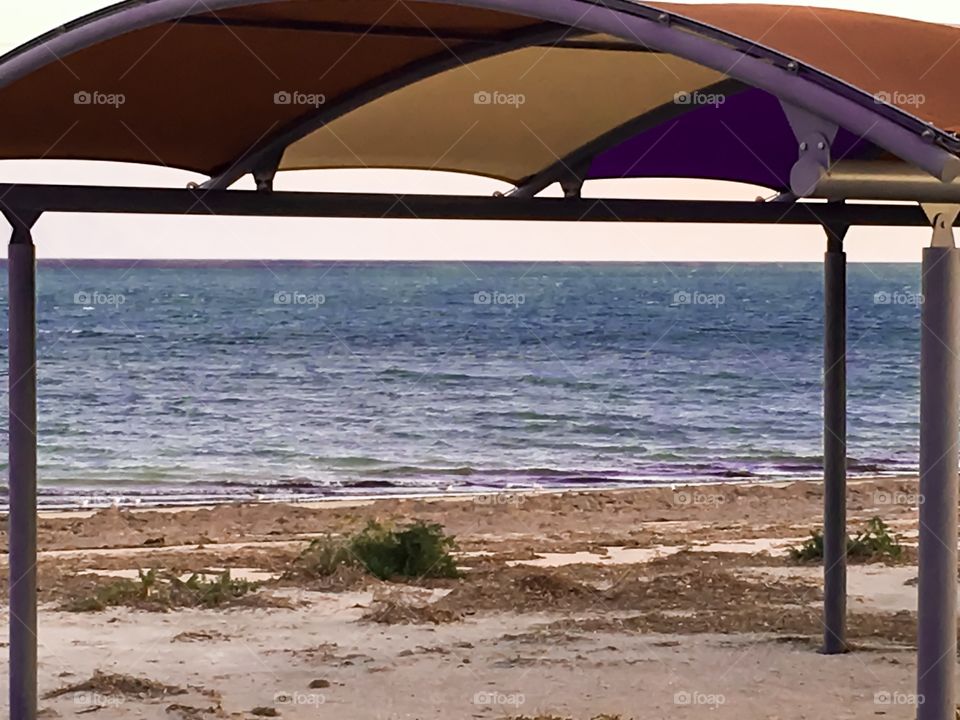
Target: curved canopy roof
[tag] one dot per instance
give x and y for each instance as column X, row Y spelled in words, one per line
column 529, row 91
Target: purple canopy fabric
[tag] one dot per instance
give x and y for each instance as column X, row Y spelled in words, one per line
column 745, row 138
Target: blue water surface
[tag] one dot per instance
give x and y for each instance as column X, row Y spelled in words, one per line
column 280, row 380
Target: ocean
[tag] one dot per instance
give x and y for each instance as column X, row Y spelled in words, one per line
column 207, row 382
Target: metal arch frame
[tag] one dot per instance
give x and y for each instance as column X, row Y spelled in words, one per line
column 561, row 169
column 890, row 128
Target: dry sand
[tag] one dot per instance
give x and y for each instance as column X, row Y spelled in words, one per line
column 662, row 602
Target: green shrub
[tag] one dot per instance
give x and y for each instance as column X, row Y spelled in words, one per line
column 875, row 542
column 419, row 550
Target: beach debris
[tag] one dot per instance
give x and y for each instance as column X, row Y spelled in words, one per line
column 199, row 636
column 111, row 684
column 189, row 712
column 319, row 684
column 263, row 711
column 557, row 717
column 398, row 608
column 520, row 589
column 323, row 652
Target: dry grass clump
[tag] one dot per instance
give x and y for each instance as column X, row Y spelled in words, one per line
column 109, row 684
column 396, row 611
column 521, row 589
column 158, row 591
column 396, row 608
column 557, row 717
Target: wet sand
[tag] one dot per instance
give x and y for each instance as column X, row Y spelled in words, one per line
column 646, row 603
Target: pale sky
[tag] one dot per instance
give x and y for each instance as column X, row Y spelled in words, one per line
column 100, row 236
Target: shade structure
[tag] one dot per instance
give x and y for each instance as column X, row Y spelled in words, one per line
column 510, row 102
column 531, row 92
column 225, row 86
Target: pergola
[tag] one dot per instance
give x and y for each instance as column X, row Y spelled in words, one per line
column 813, row 104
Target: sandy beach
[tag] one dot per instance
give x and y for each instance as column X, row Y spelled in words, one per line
column 646, row 603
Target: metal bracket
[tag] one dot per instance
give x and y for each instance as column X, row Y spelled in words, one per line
column 571, row 182
column 22, row 221
column 570, row 176
column 784, row 197
column 266, row 170
column 814, row 137
column 836, row 234
column 942, row 218
column 571, row 187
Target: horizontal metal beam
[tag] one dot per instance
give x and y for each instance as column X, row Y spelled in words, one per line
column 27, row 199
column 883, row 180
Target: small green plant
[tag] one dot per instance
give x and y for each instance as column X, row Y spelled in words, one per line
column 875, row 542
column 419, row 550
column 197, row 590
column 118, row 592
column 147, row 584
column 810, row 550
column 153, row 590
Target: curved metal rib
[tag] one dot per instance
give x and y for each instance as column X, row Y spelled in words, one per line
column 103, row 25
column 274, row 145
column 568, row 167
